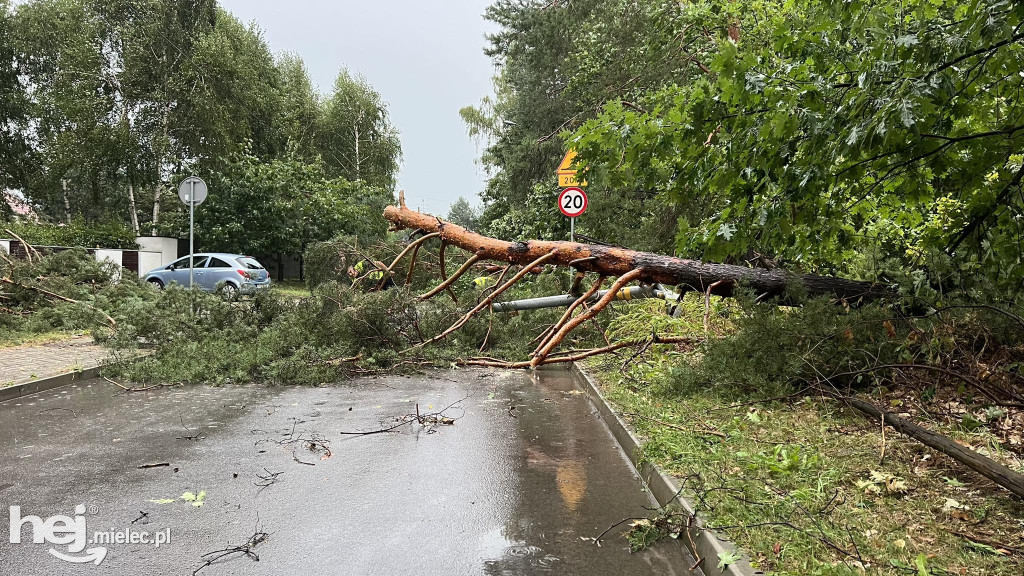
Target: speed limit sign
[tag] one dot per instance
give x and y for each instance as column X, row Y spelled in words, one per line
column 572, row 202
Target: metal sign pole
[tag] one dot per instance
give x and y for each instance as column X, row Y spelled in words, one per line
column 191, row 233
column 192, row 191
column 572, row 229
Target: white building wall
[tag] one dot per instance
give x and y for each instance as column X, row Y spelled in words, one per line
column 114, row 256
column 149, row 261
column 166, row 247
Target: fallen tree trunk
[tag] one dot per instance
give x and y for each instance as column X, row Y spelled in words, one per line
column 994, row 471
column 721, row 279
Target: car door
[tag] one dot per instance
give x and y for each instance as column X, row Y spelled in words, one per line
column 218, row 271
column 181, row 270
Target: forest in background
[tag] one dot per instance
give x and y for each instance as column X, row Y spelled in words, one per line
column 107, row 105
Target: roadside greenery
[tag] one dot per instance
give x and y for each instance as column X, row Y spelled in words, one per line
column 333, row 329
column 106, row 106
column 804, row 483
column 78, row 233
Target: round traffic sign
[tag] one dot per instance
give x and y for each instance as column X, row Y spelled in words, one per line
column 572, row 202
column 192, row 189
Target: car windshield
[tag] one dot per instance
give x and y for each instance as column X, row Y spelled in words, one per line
column 250, row 263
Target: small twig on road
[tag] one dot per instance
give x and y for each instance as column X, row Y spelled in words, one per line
column 154, row 465
column 268, row 479
column 194, row 438
column 142, row 516
column 134, row 389
column 431, row 419
column 244, row 549
column 613, row 526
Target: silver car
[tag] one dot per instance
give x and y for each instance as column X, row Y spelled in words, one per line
column 229, row 274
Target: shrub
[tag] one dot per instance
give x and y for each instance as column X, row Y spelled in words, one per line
column 78, row 233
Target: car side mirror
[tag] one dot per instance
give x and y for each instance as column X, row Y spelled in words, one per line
column 170, row 266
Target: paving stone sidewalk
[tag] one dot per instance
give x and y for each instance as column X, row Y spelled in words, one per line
column 29, row 362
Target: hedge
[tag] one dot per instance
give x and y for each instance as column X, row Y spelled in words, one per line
column 78, row 233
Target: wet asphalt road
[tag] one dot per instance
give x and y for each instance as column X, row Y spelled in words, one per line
column 515, row 485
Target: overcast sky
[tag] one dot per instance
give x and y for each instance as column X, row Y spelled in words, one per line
column 426, row 59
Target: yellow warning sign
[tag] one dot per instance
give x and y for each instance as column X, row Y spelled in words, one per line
column 566, row 173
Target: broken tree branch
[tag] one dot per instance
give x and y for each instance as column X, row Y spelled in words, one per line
column 486, row 302
column 413, row 246
column 451, row 279
column 994, row 471
column 109, row 318
column 572, row 324
column 568, row 314
column 28, row 247
column 656, row 268
column 444, row 271
column 574, row 357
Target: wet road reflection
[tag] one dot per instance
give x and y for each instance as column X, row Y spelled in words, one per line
column 521, row 481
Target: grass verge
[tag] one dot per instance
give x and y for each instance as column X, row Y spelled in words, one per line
column 290, row 288
column 806, row 485
column 15, row 338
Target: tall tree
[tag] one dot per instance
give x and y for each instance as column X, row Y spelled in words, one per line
column 357, row 140
column 300, row 107
column 159, row 43
column 12, row 104
column 549, row 82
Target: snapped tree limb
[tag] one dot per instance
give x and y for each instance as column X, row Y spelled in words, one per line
column 720, row 279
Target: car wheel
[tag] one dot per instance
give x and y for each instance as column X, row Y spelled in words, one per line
column 229, row 291
column 154, row 283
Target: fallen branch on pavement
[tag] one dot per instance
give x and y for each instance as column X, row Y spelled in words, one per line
column 258, row 537
column 575, row 356
column 431, row 419
column 134, row 389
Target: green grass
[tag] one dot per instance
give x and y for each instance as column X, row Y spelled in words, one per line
column 290, row 288
column 815, row 465
column 16, row 338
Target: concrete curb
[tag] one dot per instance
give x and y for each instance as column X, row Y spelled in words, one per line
column 703, row 544
column 49, row 383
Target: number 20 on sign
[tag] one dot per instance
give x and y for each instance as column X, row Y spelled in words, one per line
column 572, row 202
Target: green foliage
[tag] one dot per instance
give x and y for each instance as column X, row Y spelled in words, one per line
column 262, row 207
column 777, row 351
column 550, row 81
column 329, row 261
column 824, row 133
column 108, row 105
column 332, row 332
column 74, row 274
column 78, row 233
column 355, row 135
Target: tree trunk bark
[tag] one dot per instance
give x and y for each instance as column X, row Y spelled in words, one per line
column 720, row 279
column 156, row 207
column 358, row 159
column 159, row 166
column 132, row 209
column 67, row 201
column 994, row 471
